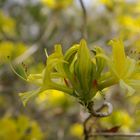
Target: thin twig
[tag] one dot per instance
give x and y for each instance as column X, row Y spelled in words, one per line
column 115, row 134
column 86, row 132
column 84, row 32
column 97, row 113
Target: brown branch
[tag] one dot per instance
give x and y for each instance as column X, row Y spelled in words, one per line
column 115, row 134
column 84, row 32
column 97, row 113
column 86, row 131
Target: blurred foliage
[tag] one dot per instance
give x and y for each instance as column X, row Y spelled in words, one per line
column 27, row 27
column 10, row 49
column 21, row 128
column 7, row 25
column 54, row 99
column 76, row 130
column 119, row 118
column 57, row 4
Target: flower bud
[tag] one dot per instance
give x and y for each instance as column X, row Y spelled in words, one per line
column 84, row 70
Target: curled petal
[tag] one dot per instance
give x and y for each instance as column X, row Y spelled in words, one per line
column 127, row 87
column 119, row 58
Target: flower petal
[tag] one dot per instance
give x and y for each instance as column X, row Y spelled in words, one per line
column 135, row 84
column 119, row 58
column 129, row 67
column 125, row 87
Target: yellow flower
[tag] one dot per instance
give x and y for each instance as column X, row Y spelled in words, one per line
column 130, row 23
column 70, row 73
column 57, row 4
column 125, row 69
column 81, row 74
column 119, row 118
column 76, row 130
column 7, row 24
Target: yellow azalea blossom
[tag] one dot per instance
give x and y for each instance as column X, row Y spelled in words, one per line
column 7, row 24
column 79, row 72
column 123, row 68
column 76, row 130
column 67, row 73
column 57, row 4
column 130, row 23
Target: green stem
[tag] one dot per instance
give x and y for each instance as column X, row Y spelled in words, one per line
column 84, row 19
column 61, row 88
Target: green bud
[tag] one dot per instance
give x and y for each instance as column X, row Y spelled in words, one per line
column 84, row 70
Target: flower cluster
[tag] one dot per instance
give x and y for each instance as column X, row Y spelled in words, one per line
column 82, row 73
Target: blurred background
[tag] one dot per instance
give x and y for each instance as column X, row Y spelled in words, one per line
column 27, row 27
